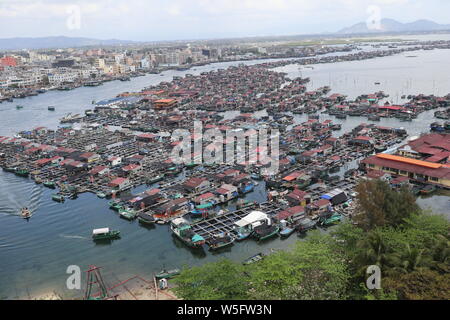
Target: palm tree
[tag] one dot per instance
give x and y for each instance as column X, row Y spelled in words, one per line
column 411, row 260
column 440, row 252
column 374, row 251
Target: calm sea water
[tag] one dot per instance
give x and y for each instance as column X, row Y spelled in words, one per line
column 34, row 255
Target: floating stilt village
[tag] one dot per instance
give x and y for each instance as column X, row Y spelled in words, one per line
column 127, row 142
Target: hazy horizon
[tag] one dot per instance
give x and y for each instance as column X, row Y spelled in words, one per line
column 158, row 20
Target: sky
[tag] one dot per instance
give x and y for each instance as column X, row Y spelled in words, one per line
column 156, row 20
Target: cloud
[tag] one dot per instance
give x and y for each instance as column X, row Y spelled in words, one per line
column 175, row 19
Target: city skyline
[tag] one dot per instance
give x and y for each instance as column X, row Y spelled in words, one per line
column 158, row 20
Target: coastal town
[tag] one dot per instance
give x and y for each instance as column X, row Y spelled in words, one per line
column 225, row 158
column 126, row 143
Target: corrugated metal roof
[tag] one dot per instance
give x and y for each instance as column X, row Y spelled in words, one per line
column 410, row 161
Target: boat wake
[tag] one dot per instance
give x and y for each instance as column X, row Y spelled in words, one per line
column 73, row 237
column 16, row 194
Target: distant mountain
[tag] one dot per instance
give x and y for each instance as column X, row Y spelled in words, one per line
column 390, row 25
column 56, row 42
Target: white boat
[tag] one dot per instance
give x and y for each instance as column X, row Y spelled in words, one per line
column 26, row 213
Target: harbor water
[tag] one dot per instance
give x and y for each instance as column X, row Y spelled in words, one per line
column 35, row 254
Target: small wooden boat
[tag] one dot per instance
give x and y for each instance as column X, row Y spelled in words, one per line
column 101, row 195
column 58, row 198
column 264, row 231
column 331, row 220
column 25, row 213
column 127, row 214
column 167, row 274
column 115, row 205
column 146, row 218
column 305, row 224
column 49, row 184
column 428, row 189
column 220, row 241
column 22, row 172
column 257, row 257
column 51, row 108
column 105, row 234
column 18, row 107
column 285, row 232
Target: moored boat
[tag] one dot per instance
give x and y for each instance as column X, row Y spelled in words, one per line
column 265, row 231
column 330, row 220
column 49, row 184
column 127, row 214
column 22, row 172
column 183, row 230
column 167, row 274
column 305, row 224
column 428, row 189
column 145, row 218
column 115, row 205
column 257, row 257
column 58, row 198
column 220, row 241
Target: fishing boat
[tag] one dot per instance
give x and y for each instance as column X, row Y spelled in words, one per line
column 257, row 257
column 115, row 205
column 105, row 234
column 9, row 169
column 428, row 189
column 286, row 231
column 183, row 230
column 167, row 274
column 146, row 218
column 22, row 172
column 305, row 224
column 58, row 198
column 25, row 213
column 330, row 220
column 127, row 214
column 220, row 240
column 49, row 184
column 51, row 108
column 265, row 231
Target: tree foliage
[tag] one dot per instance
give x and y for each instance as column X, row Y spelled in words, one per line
column 212, row 281
column 311, row 270
column 378, row 205
column 411, row 247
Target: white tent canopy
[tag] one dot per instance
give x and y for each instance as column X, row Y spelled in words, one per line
column 252, row 218
column 100, row 231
